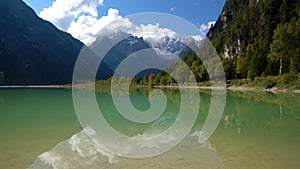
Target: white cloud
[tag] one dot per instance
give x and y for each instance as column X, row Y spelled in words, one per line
column 63, row 12
column 80, row 18
column 198, row 37
column 152, row 31
column 205, row 27
column 86, row 28
column 173, row 9
column 111, row 23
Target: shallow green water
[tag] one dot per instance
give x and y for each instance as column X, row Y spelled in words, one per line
column 257, row 130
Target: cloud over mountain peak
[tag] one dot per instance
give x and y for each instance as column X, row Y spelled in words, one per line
column 81, row 19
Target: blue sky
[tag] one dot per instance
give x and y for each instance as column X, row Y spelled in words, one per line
column 86, row 19
column 196, row 11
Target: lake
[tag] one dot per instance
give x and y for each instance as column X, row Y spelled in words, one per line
column 258, row 130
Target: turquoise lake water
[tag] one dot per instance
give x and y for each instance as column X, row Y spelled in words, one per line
column 257, row 130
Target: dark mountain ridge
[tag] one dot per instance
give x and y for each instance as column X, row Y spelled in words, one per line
column 33, row 51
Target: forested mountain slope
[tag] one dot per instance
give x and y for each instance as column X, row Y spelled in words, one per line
column 258, row 37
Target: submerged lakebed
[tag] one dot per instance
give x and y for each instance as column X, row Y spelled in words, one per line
column 257, row 130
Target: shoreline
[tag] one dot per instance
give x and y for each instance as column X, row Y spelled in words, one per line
column 237, row 88
column 273, row 89
column 230, row 88
column 33, row 86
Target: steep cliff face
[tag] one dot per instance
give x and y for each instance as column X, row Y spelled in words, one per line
column 246, row 29
column 241, row 23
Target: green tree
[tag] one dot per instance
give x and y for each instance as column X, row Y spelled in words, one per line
column 285, row 47
column 279, row 49
column 294, row 43
column 229, row 68
column 169, row 79
column 181, row 73
column 157, row 79
column 251, row 74
column 195, row 68
column 242, row 67
column 145, row 81
column 151, row 79
column 163, row 80
column 203, row 73
column 1, row 76
column 283, row 12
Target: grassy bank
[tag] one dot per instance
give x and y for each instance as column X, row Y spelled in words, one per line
column 282, row 82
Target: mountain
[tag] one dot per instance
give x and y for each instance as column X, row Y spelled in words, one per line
column 258, row 37
column 33, row 51
column 171, row 45
column 116, row 47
